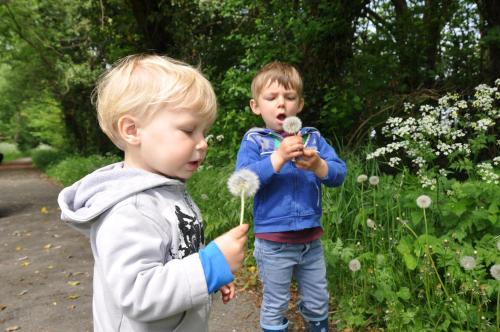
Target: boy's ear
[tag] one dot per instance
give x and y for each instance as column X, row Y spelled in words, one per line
column 254, row 107
column 128, row 129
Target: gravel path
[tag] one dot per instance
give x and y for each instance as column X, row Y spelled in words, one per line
column 46, row 267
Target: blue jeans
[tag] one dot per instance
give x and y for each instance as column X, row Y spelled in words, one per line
column 277, row 264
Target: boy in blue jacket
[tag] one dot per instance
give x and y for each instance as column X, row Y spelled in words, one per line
column 287, row 207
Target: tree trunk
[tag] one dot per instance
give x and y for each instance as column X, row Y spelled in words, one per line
column 490, row 13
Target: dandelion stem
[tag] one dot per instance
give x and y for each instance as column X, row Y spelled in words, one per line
column 242, row 209
column 498, row 309
column 430, row 257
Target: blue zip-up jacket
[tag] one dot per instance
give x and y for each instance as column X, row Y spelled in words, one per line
column 291, row 199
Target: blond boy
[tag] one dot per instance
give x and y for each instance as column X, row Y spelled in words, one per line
column 152, row 272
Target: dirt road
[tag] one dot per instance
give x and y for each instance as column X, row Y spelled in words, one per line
column 46, row 267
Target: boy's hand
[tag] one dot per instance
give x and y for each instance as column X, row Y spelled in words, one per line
column 311, row 161
column 227, row 292
column 290, row 147
column 232, row 246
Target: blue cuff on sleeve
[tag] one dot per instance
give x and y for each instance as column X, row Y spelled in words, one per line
column 215, row 267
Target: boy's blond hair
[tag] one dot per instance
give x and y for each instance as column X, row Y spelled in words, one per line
column 281, row 72
column 141, row 85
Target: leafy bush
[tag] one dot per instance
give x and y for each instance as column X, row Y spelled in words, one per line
column 44, row 158
column 73, row 168
column 10, row 151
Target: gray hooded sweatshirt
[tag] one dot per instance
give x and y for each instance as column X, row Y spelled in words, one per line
column 145, row 233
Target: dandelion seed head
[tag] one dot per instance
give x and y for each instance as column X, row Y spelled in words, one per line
column 362, row 178
column 354, row 265
column 468, row 262
column 495, row 271
column 243, row 181
column 424, row 201
column 292, row 125
column 374, row 180
column 370, row 223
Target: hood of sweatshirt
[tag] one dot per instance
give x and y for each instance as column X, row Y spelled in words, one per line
column 93, row 195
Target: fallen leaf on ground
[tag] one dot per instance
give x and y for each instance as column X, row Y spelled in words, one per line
column 19, row 248
column 73, row 283
column 2, row 307
column 47, row 246
column 25, row 263
column 22, row 258
column 24, row 291
column 44, row 210
column 12, row 328
column 73, row 296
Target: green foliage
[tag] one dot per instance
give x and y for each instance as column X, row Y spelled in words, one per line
column 73, row 168
column 10, row 151
column 43, row 158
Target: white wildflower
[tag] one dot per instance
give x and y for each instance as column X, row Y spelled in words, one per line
column 374, row 180
column 423, row 201
column 219, row 137
column 370, row 223
column 209, row 138
column 362, row 178
column 495, row 271
column 354, row 265
column 292, row 125
column 468, row 262
column 394, row 161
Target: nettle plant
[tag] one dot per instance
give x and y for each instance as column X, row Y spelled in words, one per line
column 456, row 137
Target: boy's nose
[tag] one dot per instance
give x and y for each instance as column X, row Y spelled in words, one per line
column 202, row 144
column 281, row 101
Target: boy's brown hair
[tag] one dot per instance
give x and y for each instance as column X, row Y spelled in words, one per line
column 283, row 73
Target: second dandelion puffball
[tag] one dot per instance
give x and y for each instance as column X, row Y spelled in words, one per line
column 292, row 125
column 243, row 182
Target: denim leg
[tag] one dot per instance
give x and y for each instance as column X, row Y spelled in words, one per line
column 275, row 262
column 310, row 274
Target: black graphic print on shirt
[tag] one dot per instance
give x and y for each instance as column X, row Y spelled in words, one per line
column 191, row 234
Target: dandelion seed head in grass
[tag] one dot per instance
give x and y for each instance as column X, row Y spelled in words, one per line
column 292, row 125
column 362, row 178
column 243, row 181
column 468, row 262
column 374, row 180
column 370, row 223
column 495, row 271
column 424, row 201
column 354, row 265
